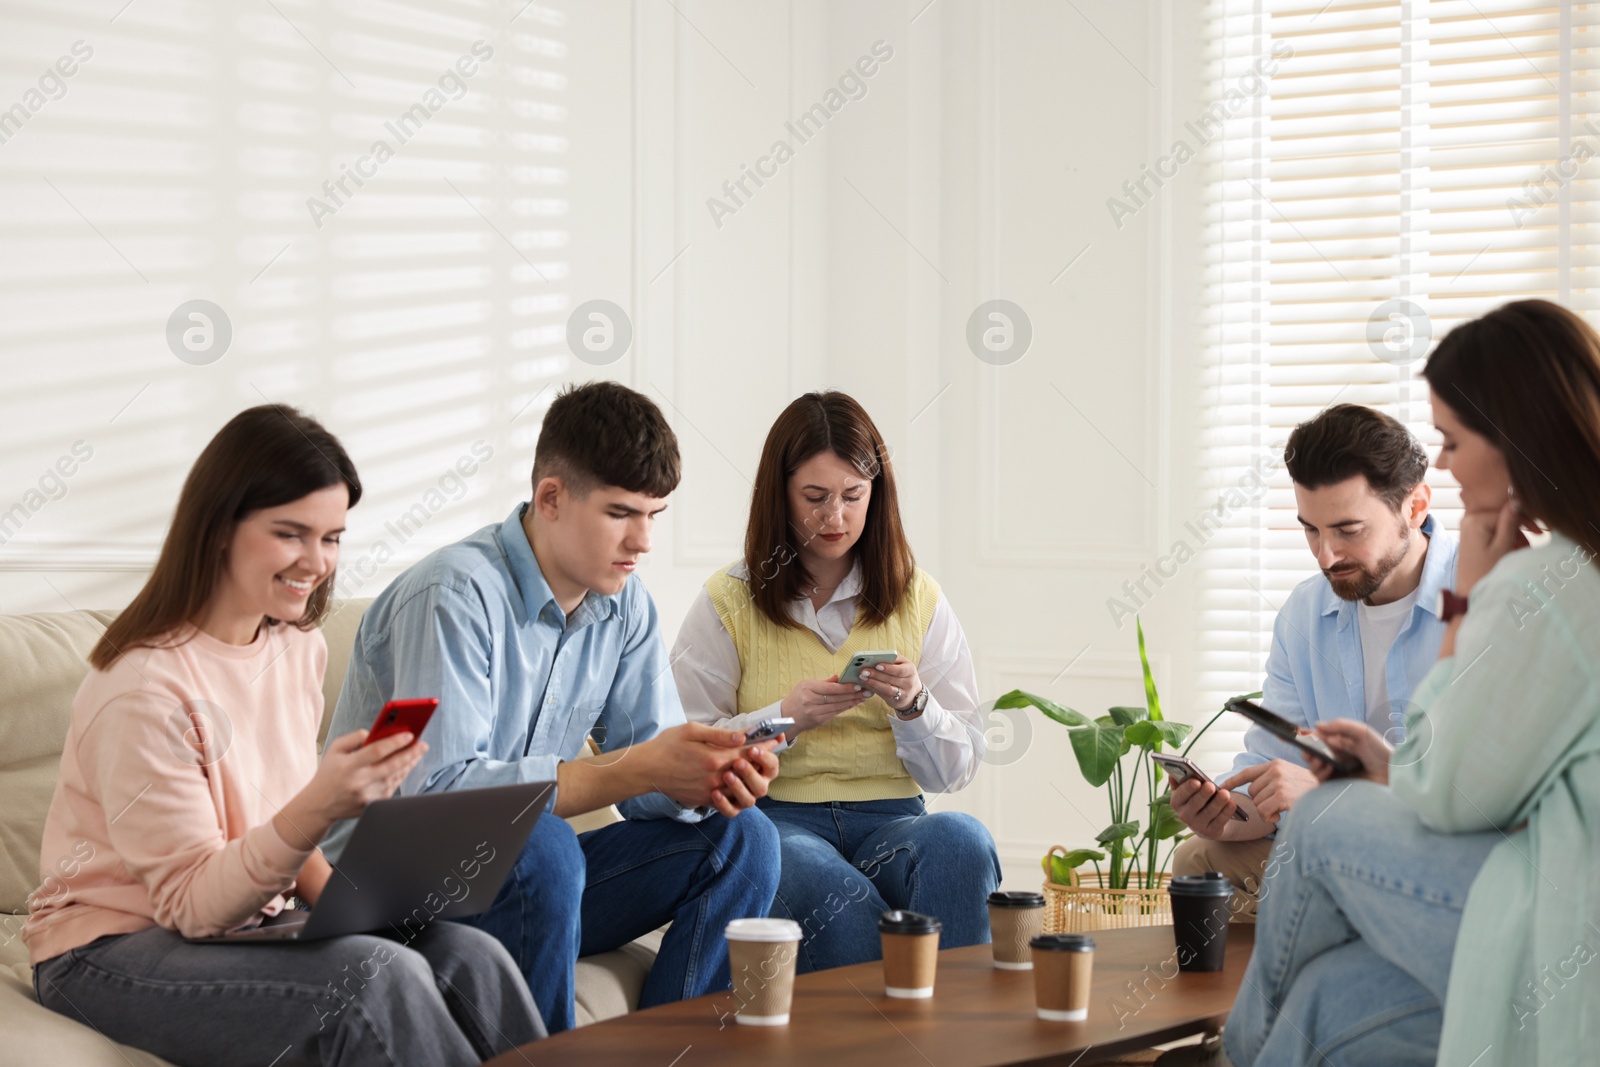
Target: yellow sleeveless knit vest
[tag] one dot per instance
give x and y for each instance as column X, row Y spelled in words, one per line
column 852, row 757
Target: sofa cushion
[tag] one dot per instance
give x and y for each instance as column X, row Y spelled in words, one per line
column 35, row 1034
column 42, row 661
column 339, row 631
column 608, row 985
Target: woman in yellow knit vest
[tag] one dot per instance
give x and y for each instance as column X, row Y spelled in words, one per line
column 827, row 573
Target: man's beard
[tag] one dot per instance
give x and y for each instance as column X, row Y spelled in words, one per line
column 1362, row 583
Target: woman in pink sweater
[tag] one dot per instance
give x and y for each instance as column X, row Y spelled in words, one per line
column 190, row 801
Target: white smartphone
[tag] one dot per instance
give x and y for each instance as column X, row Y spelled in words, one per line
column 1182, row 769
column 851, row 675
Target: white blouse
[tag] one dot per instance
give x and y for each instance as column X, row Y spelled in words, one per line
column 941, row 748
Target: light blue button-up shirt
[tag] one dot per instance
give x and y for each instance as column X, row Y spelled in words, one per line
column 1315, row 671
column 521, row 685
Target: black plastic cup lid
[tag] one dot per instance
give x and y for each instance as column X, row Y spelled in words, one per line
column 1209, row 884
column 1061, row 943
column 908, row 922
column 1016, row 899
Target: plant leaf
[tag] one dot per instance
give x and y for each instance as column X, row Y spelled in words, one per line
column 1111, row 724
column 1163, row 822
column 1098, row 748
column 1059, row 868
column 1079, row 856
column 1151, row 699
column 1017, row 698
column 1117, row 831
column 1152, row 735
column 1128, row 716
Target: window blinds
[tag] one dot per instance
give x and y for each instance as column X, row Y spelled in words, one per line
column 374, row 192
column 1406, row 165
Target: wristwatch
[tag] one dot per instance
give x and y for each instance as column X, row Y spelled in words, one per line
column 919, row 703
column 1450, row 605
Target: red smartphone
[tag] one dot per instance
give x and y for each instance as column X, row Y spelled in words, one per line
column 402, row 716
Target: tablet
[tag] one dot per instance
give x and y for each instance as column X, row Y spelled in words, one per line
column 1285, row 730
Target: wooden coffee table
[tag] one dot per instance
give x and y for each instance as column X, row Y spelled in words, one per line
column 978, row 1016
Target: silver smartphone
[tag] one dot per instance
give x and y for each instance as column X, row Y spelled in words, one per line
column 767, row 730
column 1181, row 768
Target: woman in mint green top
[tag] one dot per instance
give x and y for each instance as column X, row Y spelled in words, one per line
column 1454, row 916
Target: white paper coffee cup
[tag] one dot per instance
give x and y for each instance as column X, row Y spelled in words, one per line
column 761, row 958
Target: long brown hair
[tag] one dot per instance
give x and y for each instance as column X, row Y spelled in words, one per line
column 1527, row 377
column 264, row 457
column 813, row 424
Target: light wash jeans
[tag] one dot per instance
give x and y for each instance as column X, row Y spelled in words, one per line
column 449, row 996
column 845, row 863
column 1360, row 907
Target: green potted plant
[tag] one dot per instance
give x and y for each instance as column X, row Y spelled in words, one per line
column 1129, row 889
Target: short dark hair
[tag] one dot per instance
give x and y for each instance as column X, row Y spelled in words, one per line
column 603, row 433
column 1349, row 439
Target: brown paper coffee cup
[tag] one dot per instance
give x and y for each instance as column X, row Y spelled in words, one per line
column 910, row 953
column 1014, row 920
column 761, row 958
column 1063, row 965
column 909, row 964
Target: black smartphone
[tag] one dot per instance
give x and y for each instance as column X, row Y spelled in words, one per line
column 1285, row 730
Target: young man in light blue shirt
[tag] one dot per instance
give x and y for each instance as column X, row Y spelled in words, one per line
column 1349, row 643
column 535, row 634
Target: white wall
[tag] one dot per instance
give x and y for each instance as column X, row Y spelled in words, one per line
column 976, row 166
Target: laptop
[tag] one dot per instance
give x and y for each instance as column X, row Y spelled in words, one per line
column 411, row 860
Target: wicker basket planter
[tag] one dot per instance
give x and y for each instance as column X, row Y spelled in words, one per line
column 1086, row 904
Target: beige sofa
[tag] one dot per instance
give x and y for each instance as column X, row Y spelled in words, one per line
column 42, row 662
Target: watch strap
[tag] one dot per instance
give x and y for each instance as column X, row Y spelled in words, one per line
column 919, row 704
column 1450, row 605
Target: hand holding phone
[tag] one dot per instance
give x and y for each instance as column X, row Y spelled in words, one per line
column 1362, row 743
column 816, row 701
column 859, row 662
column 1181, row 769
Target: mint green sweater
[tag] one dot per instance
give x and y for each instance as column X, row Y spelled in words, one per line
column 1506, row 735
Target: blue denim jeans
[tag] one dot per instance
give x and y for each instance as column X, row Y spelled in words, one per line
column 573, row 895
column 448, row 995
column 845, row 863
column 1360, row 906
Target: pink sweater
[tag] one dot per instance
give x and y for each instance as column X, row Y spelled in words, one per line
column 175, row 762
